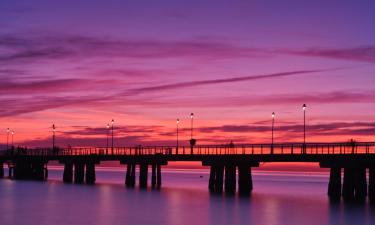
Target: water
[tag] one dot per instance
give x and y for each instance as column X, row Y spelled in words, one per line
column 278, row 198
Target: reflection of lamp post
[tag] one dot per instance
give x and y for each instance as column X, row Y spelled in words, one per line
column 107, row 138
column 177, row 122
column 53, row 136
column 113, row 121
column 304, row 128
column 273, row 124
column 8, row 131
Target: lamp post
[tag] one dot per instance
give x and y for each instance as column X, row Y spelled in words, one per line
column 53, row 137
column 107, row 138
column 12, row 139
column 191, row 125
column 273, row 124
column 8, row 131
column 192, row 140
column 112, row 122
column 177, row 122
column 304, row 127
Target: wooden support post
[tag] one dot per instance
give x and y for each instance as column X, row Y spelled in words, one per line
column 211, row 182
column 45, row 171
column 153, row 175
column 245, row 183
column 1, row 170
column 79, row 172
column 23, row 170
column 10, row 171
column 68, row 173
column 90, row 173
column 334, row 186
column 230, row 179
column 158, row 176
column 132, row 176
column 360, row 184
column 37, row 171
column 219, row 179
column 348, row 185
column 143, row 172
column 128, row 175
column 371, row 186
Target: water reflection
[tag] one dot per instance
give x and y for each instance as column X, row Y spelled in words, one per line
column 184, row 199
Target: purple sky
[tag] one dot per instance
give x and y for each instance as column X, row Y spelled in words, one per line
column 79, row 64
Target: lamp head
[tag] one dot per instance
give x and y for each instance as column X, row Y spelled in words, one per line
column 304, row 107
column 178, row 121
column 273, row 115
column 107, row 125
column 191, row 115
column 112, row 121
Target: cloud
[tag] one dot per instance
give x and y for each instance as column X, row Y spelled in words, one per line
column 332, row 129
column 221, row 81
column 361, row 54
column 247, row 133
column 337, row 97
column 43, row 86
column 17, row 106
column 33, row 48
column 120, row 130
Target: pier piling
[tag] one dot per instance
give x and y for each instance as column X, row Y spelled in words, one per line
column 334, row 186
column 1, row 170
column 360, row 184
column 90, row 173
column 68, row 173
column 158, row 176
column 348, row 185
column 153, row 175
column 245, row 182
column 143, row 172
column 371, row 184
column 79, row 172
column 230, row 179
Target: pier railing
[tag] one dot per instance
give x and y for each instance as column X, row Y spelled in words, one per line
column 244, row 149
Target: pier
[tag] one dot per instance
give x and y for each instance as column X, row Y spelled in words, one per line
column 230, row 165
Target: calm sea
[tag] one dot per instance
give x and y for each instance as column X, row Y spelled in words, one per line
column 278, row 198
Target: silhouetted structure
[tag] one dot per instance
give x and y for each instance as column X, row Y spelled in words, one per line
column 352, row 159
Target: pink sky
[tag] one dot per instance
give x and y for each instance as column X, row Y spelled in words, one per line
column 78, row 65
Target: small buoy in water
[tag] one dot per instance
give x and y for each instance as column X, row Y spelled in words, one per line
column 201, row 176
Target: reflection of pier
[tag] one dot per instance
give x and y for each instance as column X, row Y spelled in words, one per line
column 353, row 159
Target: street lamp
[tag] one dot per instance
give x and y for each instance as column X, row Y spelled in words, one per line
column 192, row 140
column 177, row 122
column 304, row 127
column 8, row 131
column 273, row 124
column 191, row 125
column 53, row 136
column 112, row 122
column 107, row 138
column 12, row 139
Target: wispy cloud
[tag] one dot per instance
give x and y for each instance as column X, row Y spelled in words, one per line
column 248, row 133
column 335, row 128
column 221, row 81
column 361, row 54
column 43, row 86
column 32, row 48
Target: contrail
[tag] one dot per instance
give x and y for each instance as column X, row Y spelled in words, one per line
column 220, row 81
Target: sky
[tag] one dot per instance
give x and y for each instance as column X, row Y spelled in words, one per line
column 80, row 64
